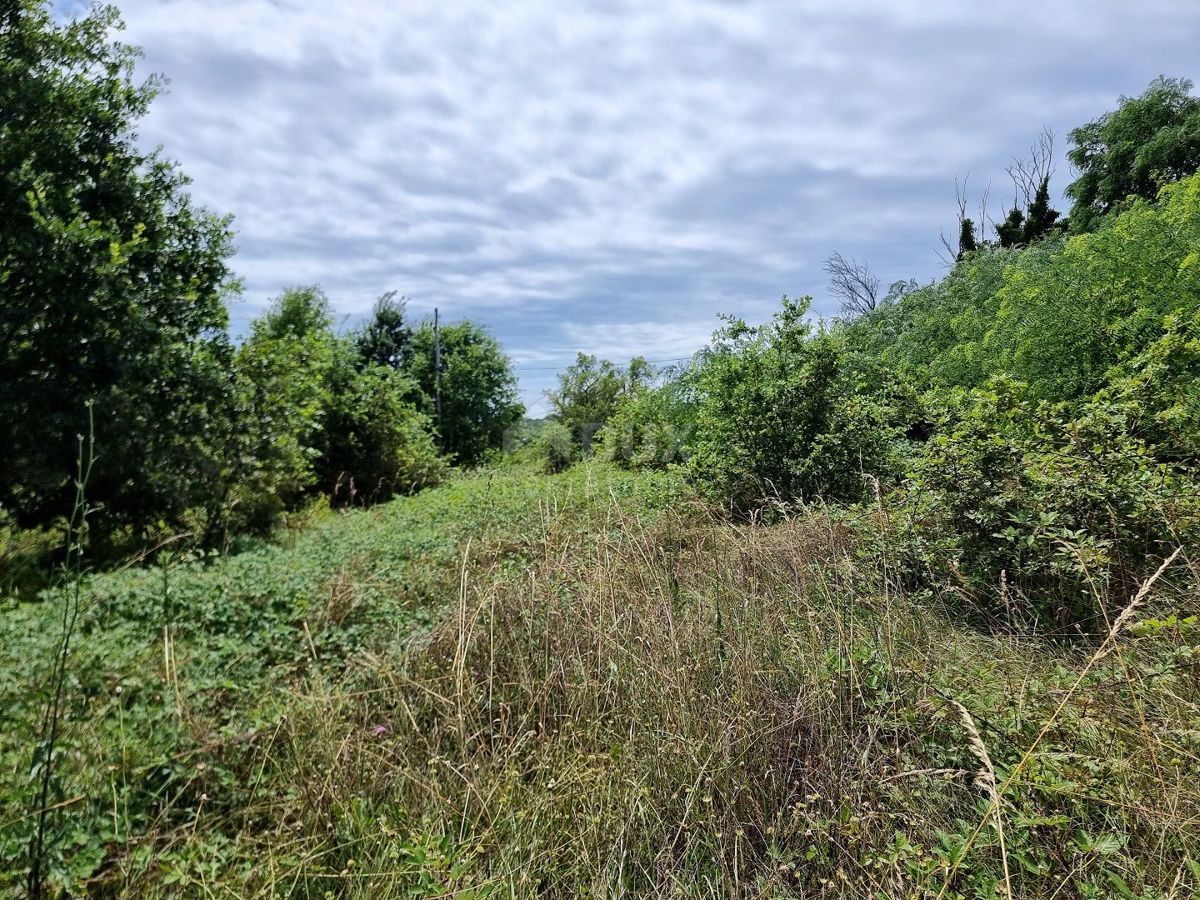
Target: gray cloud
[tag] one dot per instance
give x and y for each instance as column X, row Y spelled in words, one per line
column 608, row 177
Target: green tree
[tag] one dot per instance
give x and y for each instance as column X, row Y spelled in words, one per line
column 1011, row 232
column 478, row 388
column 112, row 286
column 385, row 338
column 283, row 373
column 1040, row 219
column 788, row 414
column 652, row 426
column 376, row 443
column 966, row 238
column 589, row 392
column 1022, row 227
column 1147, row 142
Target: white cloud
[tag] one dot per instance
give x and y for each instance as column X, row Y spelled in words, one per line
column 573, row 173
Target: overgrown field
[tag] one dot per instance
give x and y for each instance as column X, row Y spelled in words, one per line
column 584, row 685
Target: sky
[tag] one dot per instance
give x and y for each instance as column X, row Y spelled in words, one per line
column 608, row 177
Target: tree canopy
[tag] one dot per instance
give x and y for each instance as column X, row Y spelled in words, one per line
column 1147, row 142
column 112, row 284
column 589, row 391
column 478, row 387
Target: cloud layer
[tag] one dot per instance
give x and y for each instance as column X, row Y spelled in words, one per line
column 608, row 177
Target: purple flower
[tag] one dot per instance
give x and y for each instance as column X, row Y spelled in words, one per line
column 380, row 729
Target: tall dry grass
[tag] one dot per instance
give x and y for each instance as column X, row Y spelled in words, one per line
column 693, row 709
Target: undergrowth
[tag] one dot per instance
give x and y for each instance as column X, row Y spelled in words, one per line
column 585, row 685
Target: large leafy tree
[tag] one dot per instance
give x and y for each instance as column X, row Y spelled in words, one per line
column 1147, row 142
column 478, row 388
column 112, row 285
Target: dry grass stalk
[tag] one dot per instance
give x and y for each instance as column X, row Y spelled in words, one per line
column 1105, row 647
column 985, row 777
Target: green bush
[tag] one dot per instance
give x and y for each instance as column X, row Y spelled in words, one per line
column 1059, row 315
column 651, row 427
column 377, row 444
column 1160, row 393
column 553, row 448
column 590, row 391
column 788, row 414
column 1043, row 513
column 26, row 554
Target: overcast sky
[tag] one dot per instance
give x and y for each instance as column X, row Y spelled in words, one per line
column 609, row 176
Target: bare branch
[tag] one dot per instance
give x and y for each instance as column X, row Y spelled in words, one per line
column 952, row 250
column 852, row 283
column 1027, row 174
column 948, row 252
column 983, row 205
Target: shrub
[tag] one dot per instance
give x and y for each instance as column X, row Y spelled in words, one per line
column 652, row 427
column 377, row 444
column 26, row 554
column 1160, row 393
column 553, row 448
column 589, row 392
column 1028, row 506
column 787, row 414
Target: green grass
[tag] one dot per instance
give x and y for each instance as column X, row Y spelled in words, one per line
column 584, row 685
column 183, row 672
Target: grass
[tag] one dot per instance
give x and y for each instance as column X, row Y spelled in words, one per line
column 584, row 685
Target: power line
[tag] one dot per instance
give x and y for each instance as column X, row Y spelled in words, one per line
column 655, row 362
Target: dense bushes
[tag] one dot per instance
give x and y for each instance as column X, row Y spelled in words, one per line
column 788, row 414
column 589, row 393
column 1040, row 515
column 651, row 428
column 553, row 448
column 333, row 414
column 1058, row 315
column 1036, row 414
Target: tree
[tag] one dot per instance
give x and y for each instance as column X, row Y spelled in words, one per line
column 589, row 392
column 112, row 286
column 376, row 443
column 283, row 375
column 385, row 338
column 952, row 253
column 966, row 239
column 1147, row 142
column 1040, row 219
column 852, row 283
column 1031, row 217
column 478, row 387
column 1011, row 232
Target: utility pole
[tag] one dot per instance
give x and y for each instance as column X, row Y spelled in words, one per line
column 437, row 376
